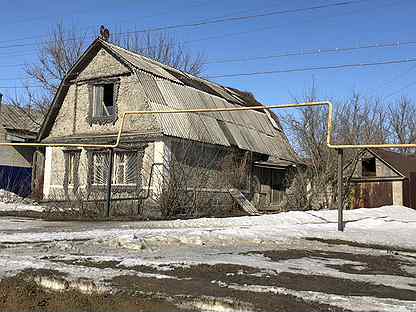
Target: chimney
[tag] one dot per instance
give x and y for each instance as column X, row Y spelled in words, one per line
column 1, row 101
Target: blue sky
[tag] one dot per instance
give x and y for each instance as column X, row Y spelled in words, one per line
column 367, row 22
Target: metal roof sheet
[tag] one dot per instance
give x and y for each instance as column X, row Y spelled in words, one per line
column 143, row 63
column 168, row 88
column 245, row 127
column 16, row 118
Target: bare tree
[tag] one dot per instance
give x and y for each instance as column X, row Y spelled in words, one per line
column 357, row 120
column 56, row 56
column 402, row 122
column 65, row 45
column 308, row 129
column 360, row 120
column 163, row 48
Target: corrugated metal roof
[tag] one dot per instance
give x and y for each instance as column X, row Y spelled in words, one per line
column 143, row 63
column 15, row 118
column 168, row 88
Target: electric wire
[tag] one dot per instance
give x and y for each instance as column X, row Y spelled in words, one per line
column 290, row 70
column 218, row 20
column 302, row 69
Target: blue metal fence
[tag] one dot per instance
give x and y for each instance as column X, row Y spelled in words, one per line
column 16, row 179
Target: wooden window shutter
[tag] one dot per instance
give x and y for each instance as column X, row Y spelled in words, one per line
column 91, row 103
column 115, row 98
column 98, row 109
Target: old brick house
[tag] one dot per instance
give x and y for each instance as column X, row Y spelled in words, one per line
column 108, row 80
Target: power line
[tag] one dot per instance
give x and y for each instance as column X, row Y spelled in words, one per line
column 249, row 31
column 396, row 77
column 12, row 65
column 91, row 26
column 302, row 69
column 292, row 70
column 303, row 52
column 400, row 90
column 218, row 20
column 248, row 17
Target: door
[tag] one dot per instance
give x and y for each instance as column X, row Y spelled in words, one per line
column 278, row 183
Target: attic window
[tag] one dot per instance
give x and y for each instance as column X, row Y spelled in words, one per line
column 369, row 167
column 103, row 105
column 103, row 101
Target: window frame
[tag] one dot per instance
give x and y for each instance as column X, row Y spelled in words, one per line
column 366, row 163
column 125, row 166
column 71, row 169
column 117, row 187
column 71, row 160
column 94, row 163
column 92, row 118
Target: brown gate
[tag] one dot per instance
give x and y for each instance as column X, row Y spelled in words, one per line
column 411, row 191
column 38, row 166
column 373, row 194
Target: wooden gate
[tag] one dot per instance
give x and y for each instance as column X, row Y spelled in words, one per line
column 38, row 167
column 372, row 194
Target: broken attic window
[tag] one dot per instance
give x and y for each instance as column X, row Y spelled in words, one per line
column 369, row 167
column 103, row 100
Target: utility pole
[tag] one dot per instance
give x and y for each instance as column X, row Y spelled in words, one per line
column 109, row 181
column 340, row 196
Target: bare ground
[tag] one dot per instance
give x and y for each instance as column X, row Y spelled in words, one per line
column 354, row 270
column 194, row 286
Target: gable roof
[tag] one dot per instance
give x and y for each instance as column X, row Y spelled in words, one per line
column 17, row 119
column 169, row 88
column 402, row 163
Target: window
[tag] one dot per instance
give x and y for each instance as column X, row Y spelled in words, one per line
column 124, row 168
column 103, row 100
column 71, row 166
column 99, row 168
column 368, row 167
column 71, row 160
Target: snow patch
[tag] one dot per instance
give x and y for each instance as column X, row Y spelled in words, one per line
column 353, row 303
column 212, row 304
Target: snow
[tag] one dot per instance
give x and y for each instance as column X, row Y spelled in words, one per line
column 14, row 207
column 166, row 245
column 352, row 303
column 10, row 202
column 393, row 226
